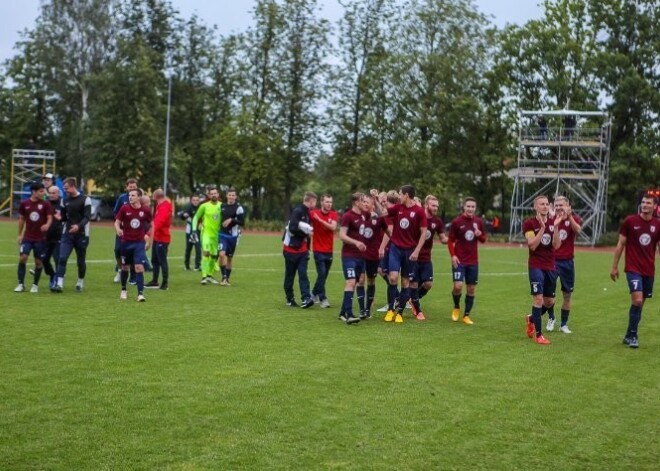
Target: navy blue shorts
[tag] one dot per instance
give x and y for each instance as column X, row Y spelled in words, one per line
column 424, row 272
column 228, row 245
column 542, row 282
column 38, row 248
column 566, row 274
column 371, row 268
column 353, row 267
column 399, row 261
column 132, row 253
column 637, row 282
column 468, row 274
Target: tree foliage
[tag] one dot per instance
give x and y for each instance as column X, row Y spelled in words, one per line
column 397, row 91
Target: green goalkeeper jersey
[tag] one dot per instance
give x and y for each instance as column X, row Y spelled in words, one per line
column 211, row 217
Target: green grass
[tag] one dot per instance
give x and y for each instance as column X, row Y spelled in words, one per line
column 229, row 378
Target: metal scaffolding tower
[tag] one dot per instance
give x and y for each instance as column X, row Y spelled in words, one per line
column 27, row 166
column 563, row 152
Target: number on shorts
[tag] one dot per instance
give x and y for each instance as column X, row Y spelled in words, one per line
column 635, row 284
column 350, row 272
column 457, row 275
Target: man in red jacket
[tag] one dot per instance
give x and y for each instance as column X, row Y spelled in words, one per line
column 161, row 221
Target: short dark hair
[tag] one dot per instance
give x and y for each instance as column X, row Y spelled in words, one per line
column 310, row 195
column 71, row 181
column 139, row 192
column 131, row 181
column 356, row 197
column 470, row 198
column 408, row 190
column 231, row 189
column 36, row 186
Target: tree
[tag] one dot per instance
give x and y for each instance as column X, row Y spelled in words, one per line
column 301, row 70
column 73, row 40
column 629, row 64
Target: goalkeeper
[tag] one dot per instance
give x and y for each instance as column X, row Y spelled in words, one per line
column 210, row 214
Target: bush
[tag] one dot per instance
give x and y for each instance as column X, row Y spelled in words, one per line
column 608, row 239
column 262, row 225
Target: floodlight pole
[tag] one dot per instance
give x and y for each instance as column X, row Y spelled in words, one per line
column 167, row 132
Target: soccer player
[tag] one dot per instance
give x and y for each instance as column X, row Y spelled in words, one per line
column 131, row 184
column 639, row 235
column 375, row 227
column 54, row 234
column 295, row 250
column 34, row 219
column 351, row 233
column 542, row 241
column 324, row 223
column 390, row 199
column 76, row 213
column 162, row 220
column 187, row 215
column 465, row 233
column 569, row 225
column 408, row 235
column 424, row 273
column 233, row 218
column 210, row 213
column 131, row 225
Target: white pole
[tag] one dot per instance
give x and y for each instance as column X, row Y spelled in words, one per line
column 167, row 131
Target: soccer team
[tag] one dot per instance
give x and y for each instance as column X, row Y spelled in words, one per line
column 390, row 234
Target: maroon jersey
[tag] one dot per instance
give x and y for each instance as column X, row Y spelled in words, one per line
column 566, row 250
column 407, row 225
column 355, row 224
column 435, row 226
column 461, row 233
column 373, row 234
column 134, row 222
column 36, row 215
column 642, row 238
column 544, row 256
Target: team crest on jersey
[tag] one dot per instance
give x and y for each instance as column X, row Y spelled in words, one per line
column 563, row 234
column 141, row 213
column 433, row 225
column 361, row 230
column 135, row 223
column 215, row 216
column 40, row 206
column 429, row 234
column 469, row 236
column 652, row 228
column 566, row 223
column 368, row 232
column 412, row 214
column 545, row 240
column 645, row 239
column 34, row 216
column 404, row 223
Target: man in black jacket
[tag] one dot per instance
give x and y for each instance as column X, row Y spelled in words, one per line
column 296, row 252
column 187, row 215
column 76, row 214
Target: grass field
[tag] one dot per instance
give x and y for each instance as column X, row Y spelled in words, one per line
column 208, row 377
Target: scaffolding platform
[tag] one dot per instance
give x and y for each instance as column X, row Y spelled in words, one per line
column 27, row 166
column 563, row 152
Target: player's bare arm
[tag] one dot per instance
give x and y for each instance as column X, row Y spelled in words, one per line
column 618, row 251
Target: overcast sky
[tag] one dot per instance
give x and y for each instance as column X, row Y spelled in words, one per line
column 234, row 15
